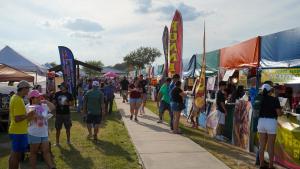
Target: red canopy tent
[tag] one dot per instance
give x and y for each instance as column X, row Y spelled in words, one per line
column 244, row 54
column 8, row 73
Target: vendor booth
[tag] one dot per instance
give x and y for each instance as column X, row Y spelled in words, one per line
column 192, row 70
column 280, row 63
column 238, row 64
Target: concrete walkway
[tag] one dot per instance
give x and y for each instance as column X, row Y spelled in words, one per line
column 158, row 148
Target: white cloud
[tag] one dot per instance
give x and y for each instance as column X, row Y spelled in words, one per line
column 74, row 24
column 85, row 35
column 189, row 13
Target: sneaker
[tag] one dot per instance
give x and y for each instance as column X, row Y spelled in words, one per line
column 56, row 145
column 159, row 121
column 89, row 136
column 135, row 119
column 131, row 117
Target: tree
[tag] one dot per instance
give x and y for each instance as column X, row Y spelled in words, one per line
column 91, row 72
column 53, row 64
column 121, row 66
column 142, row 56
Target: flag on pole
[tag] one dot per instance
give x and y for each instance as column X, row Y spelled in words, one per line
column 165, row 41
column 200, row 89
column 68, row 68
column 176, row 39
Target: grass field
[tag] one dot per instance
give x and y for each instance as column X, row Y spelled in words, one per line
column 232, row 156
column 113, row 151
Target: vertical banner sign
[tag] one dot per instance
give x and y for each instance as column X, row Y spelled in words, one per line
column 68, row 68
column 165, row 41
column 200, row 89
column 176, row 38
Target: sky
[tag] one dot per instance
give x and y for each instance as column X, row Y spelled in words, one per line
column 107, row 30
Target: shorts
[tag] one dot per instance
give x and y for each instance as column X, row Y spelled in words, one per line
column 135, row 100
column 19, row 142
column 164, row 106
column 267, row 125
column 36, row 140
column 221, row 117
column 144, row 97
column 176, row 107
column 93, row 119
column 63, row 119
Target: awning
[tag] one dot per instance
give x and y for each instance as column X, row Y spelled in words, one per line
column 281, row 49
column 8, row 73
column 244, row 54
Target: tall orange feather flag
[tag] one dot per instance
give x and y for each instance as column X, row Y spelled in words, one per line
column 200, row 88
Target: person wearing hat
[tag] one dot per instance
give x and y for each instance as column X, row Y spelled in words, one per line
column 93, row 107
column 18, row 124
column 63, row 100
column 270, row 109
column 38, row 128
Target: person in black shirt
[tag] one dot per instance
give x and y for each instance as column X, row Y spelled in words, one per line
column 270, row 109
column 63, row 100
column 221, row 109
column 177, row 105
column 124, row 89
column 143, row 84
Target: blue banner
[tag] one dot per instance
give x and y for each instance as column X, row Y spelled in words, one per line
column 68, row 68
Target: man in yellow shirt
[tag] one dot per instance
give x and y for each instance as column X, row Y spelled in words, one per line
column 19, row 124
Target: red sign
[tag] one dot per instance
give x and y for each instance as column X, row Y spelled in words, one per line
column 176, row 38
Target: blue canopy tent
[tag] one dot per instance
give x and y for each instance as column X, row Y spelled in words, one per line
column 281, row 50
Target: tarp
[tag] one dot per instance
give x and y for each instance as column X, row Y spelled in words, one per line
column 281, row 49
column 212, row 64
column 11, row 74
column 11, row 58
column 244, row 54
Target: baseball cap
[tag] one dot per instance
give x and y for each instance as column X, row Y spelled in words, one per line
column 23, row 84
column 34, row 93
column 266, row 87
column 95, row 83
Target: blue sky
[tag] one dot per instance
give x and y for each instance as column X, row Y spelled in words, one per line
column 108, row 30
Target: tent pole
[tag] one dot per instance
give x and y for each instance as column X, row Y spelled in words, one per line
column 35, row 77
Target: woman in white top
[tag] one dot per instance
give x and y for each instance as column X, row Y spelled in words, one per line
column 38, row 128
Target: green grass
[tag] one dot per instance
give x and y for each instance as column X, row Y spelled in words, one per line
column 229, row 154
column 113, row 151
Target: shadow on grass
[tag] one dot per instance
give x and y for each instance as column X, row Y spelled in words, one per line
column 74, row 159
column 111, row 149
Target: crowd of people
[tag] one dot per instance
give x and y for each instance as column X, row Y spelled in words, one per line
column 29, row 123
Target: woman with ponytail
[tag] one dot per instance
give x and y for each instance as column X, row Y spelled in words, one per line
column 267, row 124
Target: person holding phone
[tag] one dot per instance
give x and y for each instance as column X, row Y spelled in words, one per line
column 38, row 128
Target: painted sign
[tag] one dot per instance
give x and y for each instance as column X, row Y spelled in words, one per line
column 289, row 75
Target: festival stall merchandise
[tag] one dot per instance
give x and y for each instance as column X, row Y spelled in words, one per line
column 237, row 64
column 280, row 63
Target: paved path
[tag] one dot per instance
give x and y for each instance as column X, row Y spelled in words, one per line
column 158, row 148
